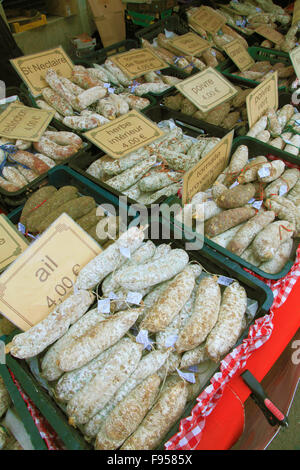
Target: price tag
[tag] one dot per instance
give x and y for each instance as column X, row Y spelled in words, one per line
column 296, row 12
column 32, row 68
column 295, row 59
column 239, row 55
column 20, row 122
column 203, row 175
column 12, row 242
column 270, row 33
column 207, row 89
column 43, row 276
column 137, row 62
column 190, row 44
column 262, row 98
column 124, row 135
column 208, row 19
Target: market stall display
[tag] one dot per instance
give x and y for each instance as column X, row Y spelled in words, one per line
column 154, row 172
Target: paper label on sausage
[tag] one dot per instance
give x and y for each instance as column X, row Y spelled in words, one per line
column 125, row 134
column 45, row 272
column 208, row 19
column 12, row 243
column 21, row 122
column 190, row 44
column 239, row 55
column 137, row 62
column 32, row 68
column 205, row 173
column 207, row 89
column 270, row 33
column 295, row 57
column 262, row 98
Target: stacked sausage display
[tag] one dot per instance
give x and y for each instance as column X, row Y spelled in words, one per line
column 99, row 366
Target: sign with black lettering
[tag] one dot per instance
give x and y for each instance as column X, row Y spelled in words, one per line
column 21, row 122
column 207, row 89
column 43, row 276
column 124, row 135
column 262, row 98
column 32, row 68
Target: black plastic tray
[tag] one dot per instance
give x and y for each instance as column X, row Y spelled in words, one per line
column 213, row 262
column 14, row 199
column 256, row 148
column 190, row 126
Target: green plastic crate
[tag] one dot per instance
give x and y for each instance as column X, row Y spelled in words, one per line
column 213, row 262
column 228, row 68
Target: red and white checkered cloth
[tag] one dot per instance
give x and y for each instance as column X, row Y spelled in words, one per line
column 191, row 428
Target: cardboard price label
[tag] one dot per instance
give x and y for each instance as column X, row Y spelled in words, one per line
column 20, row 122
column 32, row 68
column 137, row 62
column 208, row 19
column 190, row 44
column 296, row 12
column 207, row 89
column 239, row 55
column 124, row 135
column 12, row 242
column 295, row 59
column 270, row 33
column 43, row 276
column 205, row 173
column 262, row 98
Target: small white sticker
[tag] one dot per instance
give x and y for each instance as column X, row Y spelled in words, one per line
column 264, row 171
column 187, row 376
column 283, row 189
column 134, row 298
column 21, row 228
column 225, row 281
column 251, row 200
column 104, row 306
column 170, row 341
column 257, row 205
